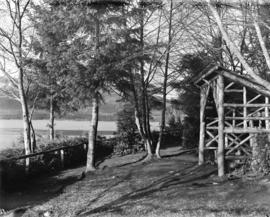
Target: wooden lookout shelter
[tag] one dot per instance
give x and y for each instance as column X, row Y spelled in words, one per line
column 233, row 109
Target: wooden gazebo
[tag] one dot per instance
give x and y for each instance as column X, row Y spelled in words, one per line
column 233, row 109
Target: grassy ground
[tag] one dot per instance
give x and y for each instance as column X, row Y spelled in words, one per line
column 173, row 186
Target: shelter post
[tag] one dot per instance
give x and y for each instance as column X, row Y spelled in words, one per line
column 220, row 106
column 203, row 99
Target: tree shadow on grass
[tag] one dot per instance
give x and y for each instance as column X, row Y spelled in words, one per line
column 187, row 151
column 183, row 177
column 34, row 191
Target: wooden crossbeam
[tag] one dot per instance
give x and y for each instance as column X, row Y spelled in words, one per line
column 239, row 144
column 235, row 105
column 228, row 124
column 233, row 140
column 256, row 111
column 212, row 123
column 245, row 150
column 215, row 139
column 241, row 130
column 229, row 85
column 254, row 98
column 247, row 118
column 210, row 134
column 233, row 91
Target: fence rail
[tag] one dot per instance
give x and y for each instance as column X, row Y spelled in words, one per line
column 45, row 152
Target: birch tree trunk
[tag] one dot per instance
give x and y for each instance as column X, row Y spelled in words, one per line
column 25, row 118
column 90, row 166
column 33, row 137
column 164, row 91
column 23, row 100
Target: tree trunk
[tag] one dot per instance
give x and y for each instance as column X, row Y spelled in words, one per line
column 33, row 138
column 25, row 117
column 51, row 124
column 90, row 166
column 164, row 91
column 146, row 134
column 233, row 48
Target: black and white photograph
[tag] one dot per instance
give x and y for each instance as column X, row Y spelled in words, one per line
column 135, row 108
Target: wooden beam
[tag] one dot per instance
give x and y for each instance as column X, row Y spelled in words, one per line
column 254, row 98
column 235, row 105
column 246, row 82
column 215, row 139
column 238, row 144
column 245, row 108
column 229, row 85
column 247, row 118
column 266, row 110
column 233, row 123
column 233, row 91
column 241, row 130
column 220, row 102
column 247, row 130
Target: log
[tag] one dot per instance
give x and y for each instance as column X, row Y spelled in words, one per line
column 246, row 82
column 220, row 101
column 203, row 99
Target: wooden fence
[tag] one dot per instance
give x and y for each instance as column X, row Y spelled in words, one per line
column 60, row 151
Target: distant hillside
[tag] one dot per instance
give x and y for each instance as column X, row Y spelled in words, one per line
column 11, row 109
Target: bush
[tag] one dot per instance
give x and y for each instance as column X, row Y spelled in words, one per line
column 173, row 133
column 190, row 132
column 128, row 140
column 13, row 170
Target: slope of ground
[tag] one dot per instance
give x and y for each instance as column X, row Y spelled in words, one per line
column 173, row 186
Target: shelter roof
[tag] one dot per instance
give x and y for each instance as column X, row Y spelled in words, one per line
column 211, row 72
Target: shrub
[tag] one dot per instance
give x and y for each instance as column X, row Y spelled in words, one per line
column 13, row 170
column 128, row 140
